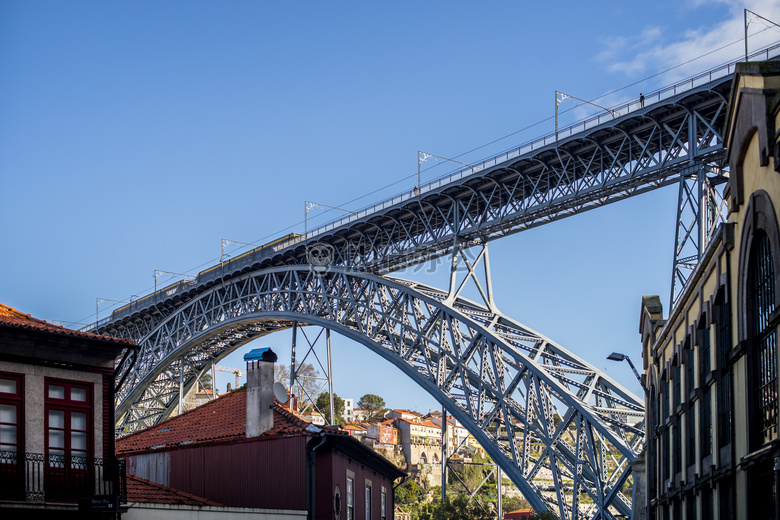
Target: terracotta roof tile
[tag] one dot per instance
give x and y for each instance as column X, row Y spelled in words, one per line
column 10, row 317
column 220, row 420
column 147, row 492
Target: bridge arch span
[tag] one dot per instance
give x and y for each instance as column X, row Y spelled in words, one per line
column 539, row 411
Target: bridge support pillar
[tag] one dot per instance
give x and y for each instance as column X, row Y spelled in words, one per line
column 700, row 209
column 307, row 384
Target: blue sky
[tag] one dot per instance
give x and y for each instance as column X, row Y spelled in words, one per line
column 136, row 135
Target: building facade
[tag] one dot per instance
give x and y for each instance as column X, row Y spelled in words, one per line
column 711, row 367
column 245, row 450
column 57, row 420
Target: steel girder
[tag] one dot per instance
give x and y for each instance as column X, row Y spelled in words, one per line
column 558, row 426
column 645, row 149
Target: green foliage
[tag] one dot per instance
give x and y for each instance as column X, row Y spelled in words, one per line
column 373, row 406
column 323, row 405
column 205, row 381
column 513, row 504
column 410, row 492
column 543, row 515
column 459, row 508
column 472, row 475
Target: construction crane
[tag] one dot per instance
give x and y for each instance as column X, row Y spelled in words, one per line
column 235, row 371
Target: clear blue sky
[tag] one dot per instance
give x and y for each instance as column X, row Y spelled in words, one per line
column 134, row 136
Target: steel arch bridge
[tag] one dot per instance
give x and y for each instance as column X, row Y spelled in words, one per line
column 540, row 411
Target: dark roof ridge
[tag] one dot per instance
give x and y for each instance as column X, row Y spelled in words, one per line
column 10, row 317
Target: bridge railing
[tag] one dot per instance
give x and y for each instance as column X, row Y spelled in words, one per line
column 632, row 106
column 575, row 128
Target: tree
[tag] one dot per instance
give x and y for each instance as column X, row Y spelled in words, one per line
column 307, row 383
column 323, row 405
column 282, row 374
column 410, row 492
column 515, row 503
column 373, row 407
column 205, row 381
column 460, row 508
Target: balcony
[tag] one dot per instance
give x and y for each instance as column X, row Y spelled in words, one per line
column 38, row 478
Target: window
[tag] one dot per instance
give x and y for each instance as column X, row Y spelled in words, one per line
column 11, row 436
column 68, row 421
column 690, row 371
column 705, row 405
column 383, row 505
column 706, row 502
column 677, row 388
column 690, row 506
column 761, row 298
column 677, row 454
column 723, row 334
column 705, row 423
column 724, row 499
column 350, row 498
column 11, row 407
column 690, row 433
column 68, row 430
column 665, row 462
column 665, row 400
column 368, row 502
column 704, row 352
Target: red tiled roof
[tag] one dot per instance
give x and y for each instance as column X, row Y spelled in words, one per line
column 147, row 492
column 10, row 317
column 220, row 420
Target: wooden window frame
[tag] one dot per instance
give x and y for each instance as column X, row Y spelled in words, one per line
column 15, row 399
column 69, row 405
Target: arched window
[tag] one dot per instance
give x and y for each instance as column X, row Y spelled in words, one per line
column 761, row 304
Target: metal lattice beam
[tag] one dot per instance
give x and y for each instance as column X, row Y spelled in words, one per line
column 593, row 163
column 556, row 424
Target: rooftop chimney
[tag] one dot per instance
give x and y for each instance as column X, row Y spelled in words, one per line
column 259, row 391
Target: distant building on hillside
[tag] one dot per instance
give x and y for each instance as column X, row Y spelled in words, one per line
column 384, row 432
column 400, row 413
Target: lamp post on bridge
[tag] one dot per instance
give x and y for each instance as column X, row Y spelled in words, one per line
column 158, row 273
column 560, row 97
column 308, row 205
column 423, row 156
column 98, row 301
column 226, row 242
column 747, row 23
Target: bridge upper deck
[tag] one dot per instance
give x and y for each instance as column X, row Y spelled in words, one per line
column 588, row 164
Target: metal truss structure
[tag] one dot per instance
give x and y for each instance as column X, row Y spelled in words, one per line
column 542, row 413
column 701, row 208
column 673, row 133
column 560, row 428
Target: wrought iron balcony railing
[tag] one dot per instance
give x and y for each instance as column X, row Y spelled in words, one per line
column 57, row 478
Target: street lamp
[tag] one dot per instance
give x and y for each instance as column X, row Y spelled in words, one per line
column 617, row 356
column 158, row 273
column 422, row 157
column 308, row 205
column 560, row 97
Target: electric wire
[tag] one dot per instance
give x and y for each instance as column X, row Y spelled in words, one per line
column 260, row 241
